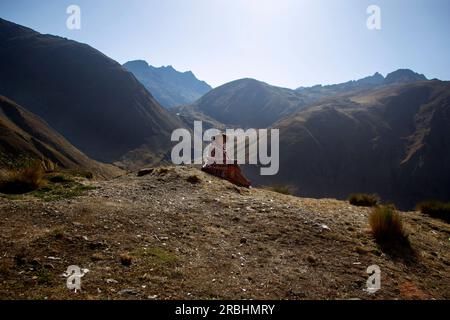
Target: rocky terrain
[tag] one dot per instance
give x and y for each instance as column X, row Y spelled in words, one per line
column 179, row 233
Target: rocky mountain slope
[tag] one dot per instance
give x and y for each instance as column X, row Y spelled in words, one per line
column 170, row 87
column 393, row 141
column 26, row 136
column 87, row 97
column 167, row 235
column 251, row 103
column 246, row 103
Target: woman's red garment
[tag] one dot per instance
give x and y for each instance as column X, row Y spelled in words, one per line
column 229, row 172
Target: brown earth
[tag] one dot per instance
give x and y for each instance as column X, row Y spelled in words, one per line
column 207, row 239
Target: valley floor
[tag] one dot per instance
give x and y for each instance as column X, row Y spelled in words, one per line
column 190, row 238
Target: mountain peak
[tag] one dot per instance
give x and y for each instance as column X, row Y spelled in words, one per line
column 404, row 76
column 136, row 65
column 376, row 78
column 170, row 87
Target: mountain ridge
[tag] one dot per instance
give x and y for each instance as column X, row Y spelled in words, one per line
column 399, row 76
column 170, row 87
column 246, row 103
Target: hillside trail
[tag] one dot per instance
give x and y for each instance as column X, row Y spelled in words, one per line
column 179, row 233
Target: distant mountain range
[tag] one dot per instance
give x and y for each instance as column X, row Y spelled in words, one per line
column 252, row 103
column 87, row 97
column 170, row 87
column 387, row 135
column 399, row 76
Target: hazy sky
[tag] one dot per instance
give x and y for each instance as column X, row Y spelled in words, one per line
column 288, row 43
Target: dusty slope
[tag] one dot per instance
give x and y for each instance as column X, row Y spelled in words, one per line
column 209, row 240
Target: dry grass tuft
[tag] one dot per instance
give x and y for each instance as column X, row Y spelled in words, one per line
column 194, row 179
column 387, row 226
column 126, row 259
column 283, row 189
column 435, row 209
column 22, row 181
column 363, row 199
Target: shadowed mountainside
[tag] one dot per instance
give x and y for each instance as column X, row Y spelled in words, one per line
column 246, row 103
column 24, row 135
column 87, row 97
column 394, row 141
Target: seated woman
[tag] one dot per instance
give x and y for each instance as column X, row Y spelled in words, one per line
column 216, row 164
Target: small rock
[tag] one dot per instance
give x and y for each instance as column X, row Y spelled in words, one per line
column 128, row 291
column 243, row 240
column 97, row 257
column 111, row 281
column 311, row 259
column 144, row 172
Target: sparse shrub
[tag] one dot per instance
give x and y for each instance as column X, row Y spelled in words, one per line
column 59, row 179
column 21, row 257
column 80, row 173
column 363, row 199
column 194, row 179
column 435, row 209
column 87, row 174
column 387, row 226
column 283, row 189
column 126, row 259
column 57, row 234
column 23, row 180
column 311, row 259
column 48, row 165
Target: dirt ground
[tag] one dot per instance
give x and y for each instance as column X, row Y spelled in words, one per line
column 178, row 233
